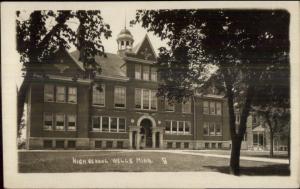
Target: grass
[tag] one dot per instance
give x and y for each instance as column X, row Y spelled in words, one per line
column 135, row 161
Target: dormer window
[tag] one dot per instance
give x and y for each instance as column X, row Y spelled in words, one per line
column 153, row 74
column 138, row 70
column 146, row 70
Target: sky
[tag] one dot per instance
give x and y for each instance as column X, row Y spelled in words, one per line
column 116, row 18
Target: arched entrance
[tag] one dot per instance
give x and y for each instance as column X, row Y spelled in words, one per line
column 146, row 133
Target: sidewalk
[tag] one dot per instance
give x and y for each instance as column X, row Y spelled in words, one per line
column 270, row 160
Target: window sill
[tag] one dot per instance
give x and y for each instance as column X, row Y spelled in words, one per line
column 98, row 106
column 212, row 114
column 175, row 134
column 60, row 130
column 170, row 111
column 153, row 81
column 120, row 108
column 146, row 110
column 212, row 135
column 96, row 131
column 60, row 102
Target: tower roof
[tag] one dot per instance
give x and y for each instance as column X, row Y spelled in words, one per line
column 125, row 34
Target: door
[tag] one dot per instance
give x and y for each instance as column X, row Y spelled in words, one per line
column 146, row 132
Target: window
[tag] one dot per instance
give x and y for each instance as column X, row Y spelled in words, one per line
column 169, row 144
column 120, row 97
column 205, row 107
column 49, row 93
column 153, row 100
column 212, row 108
column 105, row 123
column 98, row 144
column 109, row 144
column 138, row 70
column 120, row 144
column 187, row 127
column 99, row 95
column 213, row 145
column 218, row 129
column 206, row 145
column 153, row 74
column 146, row 70
column 212, row 129
column 168, row 126
column 60, row 94
column 72, row 95
column 178, row 144
column 174, row 127
column 146, row 99
column 113, row 124
column 205, row 129
column 138, row 98
column 219, row 108
column 109, row 124
column 60, row 144
column 71, row 122
column 71, row 144
column 47, row 144
column 255, row 139
column 219, row 145
column 60, row 122
column 180, row 127
column 96, row 123
column 169, row 106
column 122, row 125
column 48, row 121
column 186, row 107
column 186, row 145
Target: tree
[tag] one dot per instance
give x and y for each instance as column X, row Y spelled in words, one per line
column 41, row 33
column 242, row 44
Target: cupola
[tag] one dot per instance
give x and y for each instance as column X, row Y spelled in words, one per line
column 125, row 41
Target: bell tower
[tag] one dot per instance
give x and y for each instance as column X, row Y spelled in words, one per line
column 125, row 41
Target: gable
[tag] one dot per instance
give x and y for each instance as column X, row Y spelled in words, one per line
column 145, row 50
column 62, row 64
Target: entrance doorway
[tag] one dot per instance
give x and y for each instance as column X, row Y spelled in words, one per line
column 146, row 133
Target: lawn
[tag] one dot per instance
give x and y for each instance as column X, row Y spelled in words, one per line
column 135, row 161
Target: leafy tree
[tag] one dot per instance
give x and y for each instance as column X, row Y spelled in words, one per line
column 273, row 101
column 243, row 44
column 41, row 33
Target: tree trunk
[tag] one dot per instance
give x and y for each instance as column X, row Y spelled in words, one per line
column 271, row 143
column 289, row 150
column 235, row 156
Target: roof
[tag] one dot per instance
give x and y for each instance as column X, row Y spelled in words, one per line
column 259, row 128
column 125, row 31
column 136, row 47
column 125, row 34
column 110, row 65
